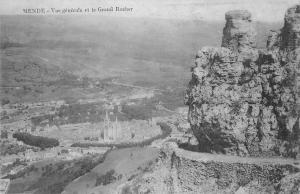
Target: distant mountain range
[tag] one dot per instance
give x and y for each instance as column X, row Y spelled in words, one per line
column 41, row 50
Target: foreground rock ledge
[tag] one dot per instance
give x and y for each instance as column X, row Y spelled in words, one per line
column 180, row 171
column 243, row 101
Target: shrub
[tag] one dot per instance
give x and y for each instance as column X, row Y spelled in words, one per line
column 37, row 141
column 106, row 178
column 126, row 190
column 64, row 151
column 4, row 134
column 4, row 102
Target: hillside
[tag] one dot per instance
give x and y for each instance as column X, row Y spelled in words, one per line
column 47, row 52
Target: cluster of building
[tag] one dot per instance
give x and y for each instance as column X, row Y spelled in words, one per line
column 113, row 130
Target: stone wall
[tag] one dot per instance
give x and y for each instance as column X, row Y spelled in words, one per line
column 210, row 173
column 179, row 171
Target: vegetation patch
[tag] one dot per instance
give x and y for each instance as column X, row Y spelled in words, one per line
column 108, row 178
column 37, row 141
column 7, row 148
column 53, row 177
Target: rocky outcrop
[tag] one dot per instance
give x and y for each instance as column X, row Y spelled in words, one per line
column 291, row 30
column 243, row 101
column 239, row 33
column 179, row 171
column 289, row 184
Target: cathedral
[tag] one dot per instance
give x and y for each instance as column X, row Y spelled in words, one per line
column 112, row 130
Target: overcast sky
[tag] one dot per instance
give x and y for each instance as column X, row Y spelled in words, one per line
column 262, row 10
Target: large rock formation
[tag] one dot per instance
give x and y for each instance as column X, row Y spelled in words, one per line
column 243, row 101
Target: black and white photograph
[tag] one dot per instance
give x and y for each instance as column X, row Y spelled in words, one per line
column 149, row 96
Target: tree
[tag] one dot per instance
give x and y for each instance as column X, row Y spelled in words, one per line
column 4, row 134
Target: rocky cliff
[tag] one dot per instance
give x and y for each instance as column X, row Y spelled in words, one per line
column 243, row 101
